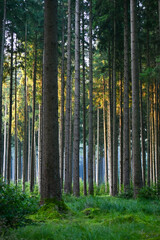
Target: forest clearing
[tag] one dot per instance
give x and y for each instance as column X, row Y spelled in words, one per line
column 79, row 119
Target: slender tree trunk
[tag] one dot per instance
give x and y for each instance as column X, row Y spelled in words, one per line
column 19, row 161
column 51, row 187
column 115, row 159
column 90, row 140
column 137, row 173
column 77, row 103
column 94, row 156
column 151, row 161
column 25, row 117
column 148, row 136
column 5, row 144
column 40, row 148
column 62, row 106
column 105, row 137
column 16, row 153
column 98, row 162
column 2, row 41
column 10, row 117
column 121, row 136
column 126, row 154
column 29, row 145
column 70, row 142
column 84, row 108
column 68, row 86
column 33, row 160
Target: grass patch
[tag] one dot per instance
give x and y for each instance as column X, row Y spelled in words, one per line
column 96, row 218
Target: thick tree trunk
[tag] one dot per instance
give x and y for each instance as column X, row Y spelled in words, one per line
column 10, row 117
column 126, row 154
column 77, row 103
column 33, row 160
column 137, row 173
column 24, row 172
column 68, row 86
column 51, row 187
column 2, row 41
column 90, row 140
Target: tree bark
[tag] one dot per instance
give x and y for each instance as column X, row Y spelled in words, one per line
column 68, row 86
column 77, row 103
column 90, row 140
column 121, row 135
column 40, row 148
column 137, row 173
column 98, row 162
column 5, row 145
column 51, row 187
column 10, row 116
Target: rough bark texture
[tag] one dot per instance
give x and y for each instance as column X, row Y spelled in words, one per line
column 98, row 161
column 90, row 140
column 68, row 86
column 40, row 148
column 137, row 173
column 50, row 167
column 19, row 161
column 5, row 145
column 77, row 103
column 126, row 180
column 121, row 135
column 10, row 117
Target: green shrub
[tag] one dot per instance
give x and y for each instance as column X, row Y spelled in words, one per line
column 127, row 194
column 15, row 205
column 148, row 193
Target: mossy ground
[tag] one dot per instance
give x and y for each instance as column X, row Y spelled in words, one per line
column 95, row 218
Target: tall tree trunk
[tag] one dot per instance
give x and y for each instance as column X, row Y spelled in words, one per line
column 68, row 86
column 90, row 140
column 98, row 161
column 16, row 154
column 126, row 154
column 62, row 106
column 137, row 173
column 29, row 145
column 84, row 108
column 51, row 187
column 33, row 160
column 94, row 156
column 110, row 145
column 115, row 159
column 5, row 144
column 121, row 135
column 148, row 114
column 70, row 142
column 2, row 41
column 40, row 148
column 105, row 136
column 19, row 161
column 10, row 117
column 77, row 103
column 25, row 117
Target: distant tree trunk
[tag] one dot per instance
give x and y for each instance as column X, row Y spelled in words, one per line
column 98, row 162
column 51, row 187
column 33, row 160
column 94, row 156
column 62, row 106
column 148, row 136
column 16, row 154
column 25, row 117
column 40, row 148
column 2, row 41
column 126, row 154
column 70, row 142
column 115, row 146
column 5, row 144
column 137, row 173
column 68, row 86
column 121, row 135
column 110, row 145
column 10, row 117
column 29, row 145
column 77, row 103
column 90, row 140
column 19, row 161
column 105, row 136
column 84, row 108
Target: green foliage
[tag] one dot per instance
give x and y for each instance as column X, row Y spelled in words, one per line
column 149, row 193
column 15, row 205
column 127, row 194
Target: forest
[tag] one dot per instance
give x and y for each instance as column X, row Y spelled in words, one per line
column 79, row 119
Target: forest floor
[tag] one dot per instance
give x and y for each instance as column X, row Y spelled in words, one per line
column 94, row 218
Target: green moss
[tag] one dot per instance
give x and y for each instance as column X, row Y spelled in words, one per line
column 91, row 212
